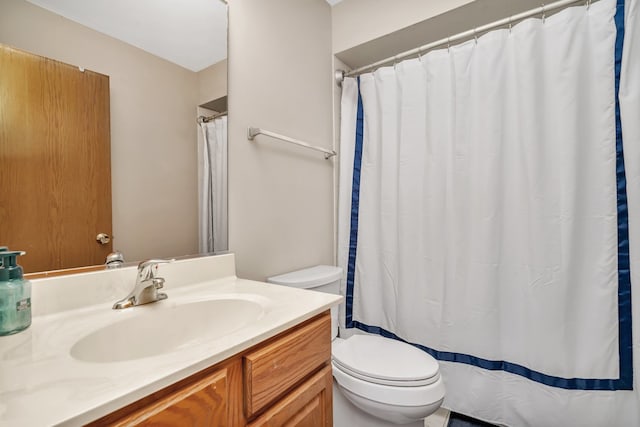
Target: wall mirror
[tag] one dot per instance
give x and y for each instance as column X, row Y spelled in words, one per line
column 164, row 113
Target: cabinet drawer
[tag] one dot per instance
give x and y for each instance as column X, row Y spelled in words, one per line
column 279, row 366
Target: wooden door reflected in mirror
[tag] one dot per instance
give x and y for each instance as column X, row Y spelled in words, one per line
column 55, row 169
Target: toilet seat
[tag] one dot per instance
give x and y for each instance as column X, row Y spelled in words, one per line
column 384, row 361
column 416, row 396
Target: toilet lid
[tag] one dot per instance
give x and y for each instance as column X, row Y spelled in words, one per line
column 385, row 361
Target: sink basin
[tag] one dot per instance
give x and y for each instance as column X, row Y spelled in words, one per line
column 161, row 328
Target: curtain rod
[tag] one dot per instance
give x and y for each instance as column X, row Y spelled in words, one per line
column 205, row 119
column 542, row 10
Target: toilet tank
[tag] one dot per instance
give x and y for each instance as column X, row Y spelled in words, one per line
column 321, row 278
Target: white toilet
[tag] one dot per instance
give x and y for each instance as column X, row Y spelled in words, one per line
column 379, row 382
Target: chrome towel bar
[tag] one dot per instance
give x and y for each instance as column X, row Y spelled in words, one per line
column 253, row 132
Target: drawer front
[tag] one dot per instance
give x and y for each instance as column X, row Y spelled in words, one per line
column 309, row 405
column 279, row 366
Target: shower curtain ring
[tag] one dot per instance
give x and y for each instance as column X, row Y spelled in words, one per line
column 448, row 44
column 509, row 25
column 588, row 4
column 544, row 14
column 475, row 36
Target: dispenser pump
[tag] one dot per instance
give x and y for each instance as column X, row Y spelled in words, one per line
column 9, row 260
column 15, row 294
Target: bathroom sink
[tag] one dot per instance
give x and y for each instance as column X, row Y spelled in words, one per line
column 165, row 327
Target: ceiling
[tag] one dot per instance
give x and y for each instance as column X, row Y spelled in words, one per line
column 190, row 33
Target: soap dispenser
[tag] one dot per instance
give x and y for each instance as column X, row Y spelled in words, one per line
column 15, row 295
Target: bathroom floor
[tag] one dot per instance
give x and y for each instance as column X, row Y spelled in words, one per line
column 459, row 420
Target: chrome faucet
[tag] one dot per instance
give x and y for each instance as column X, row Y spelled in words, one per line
column 147, row 285
column 114, row 260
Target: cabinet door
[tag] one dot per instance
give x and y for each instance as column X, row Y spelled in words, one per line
column 310, row 405
column 202, row 404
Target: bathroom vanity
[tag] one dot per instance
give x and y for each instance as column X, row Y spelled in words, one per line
column 285, row 380
column 219, row 351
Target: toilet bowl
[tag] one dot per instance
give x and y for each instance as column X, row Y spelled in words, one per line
column 391, row 380
column 378, row 382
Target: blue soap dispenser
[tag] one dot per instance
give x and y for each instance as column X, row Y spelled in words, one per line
column 15, row 295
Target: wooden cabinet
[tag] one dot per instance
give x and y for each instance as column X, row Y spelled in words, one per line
column 309, row 405
column 203, row 403
column 284, row 381
column 276, row 368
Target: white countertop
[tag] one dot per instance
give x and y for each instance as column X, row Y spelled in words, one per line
column 41, row 384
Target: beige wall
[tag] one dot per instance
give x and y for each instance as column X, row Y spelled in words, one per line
column 359, row 21
column 212, row 82
column 153, row 130
column 280, row 79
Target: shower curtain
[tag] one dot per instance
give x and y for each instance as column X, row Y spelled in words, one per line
column 483, row 216
column 213, row 184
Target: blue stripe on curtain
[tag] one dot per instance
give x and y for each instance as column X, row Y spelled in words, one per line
column 355, row 204
column 625, row 345
column 625, row 349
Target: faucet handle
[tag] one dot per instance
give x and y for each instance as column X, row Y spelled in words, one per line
column 145, row 268
column 152, row 262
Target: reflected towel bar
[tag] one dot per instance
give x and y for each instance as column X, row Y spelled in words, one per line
column 253, row 132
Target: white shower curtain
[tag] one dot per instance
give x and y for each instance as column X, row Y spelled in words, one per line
column 483, row 216
column 213, row 184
